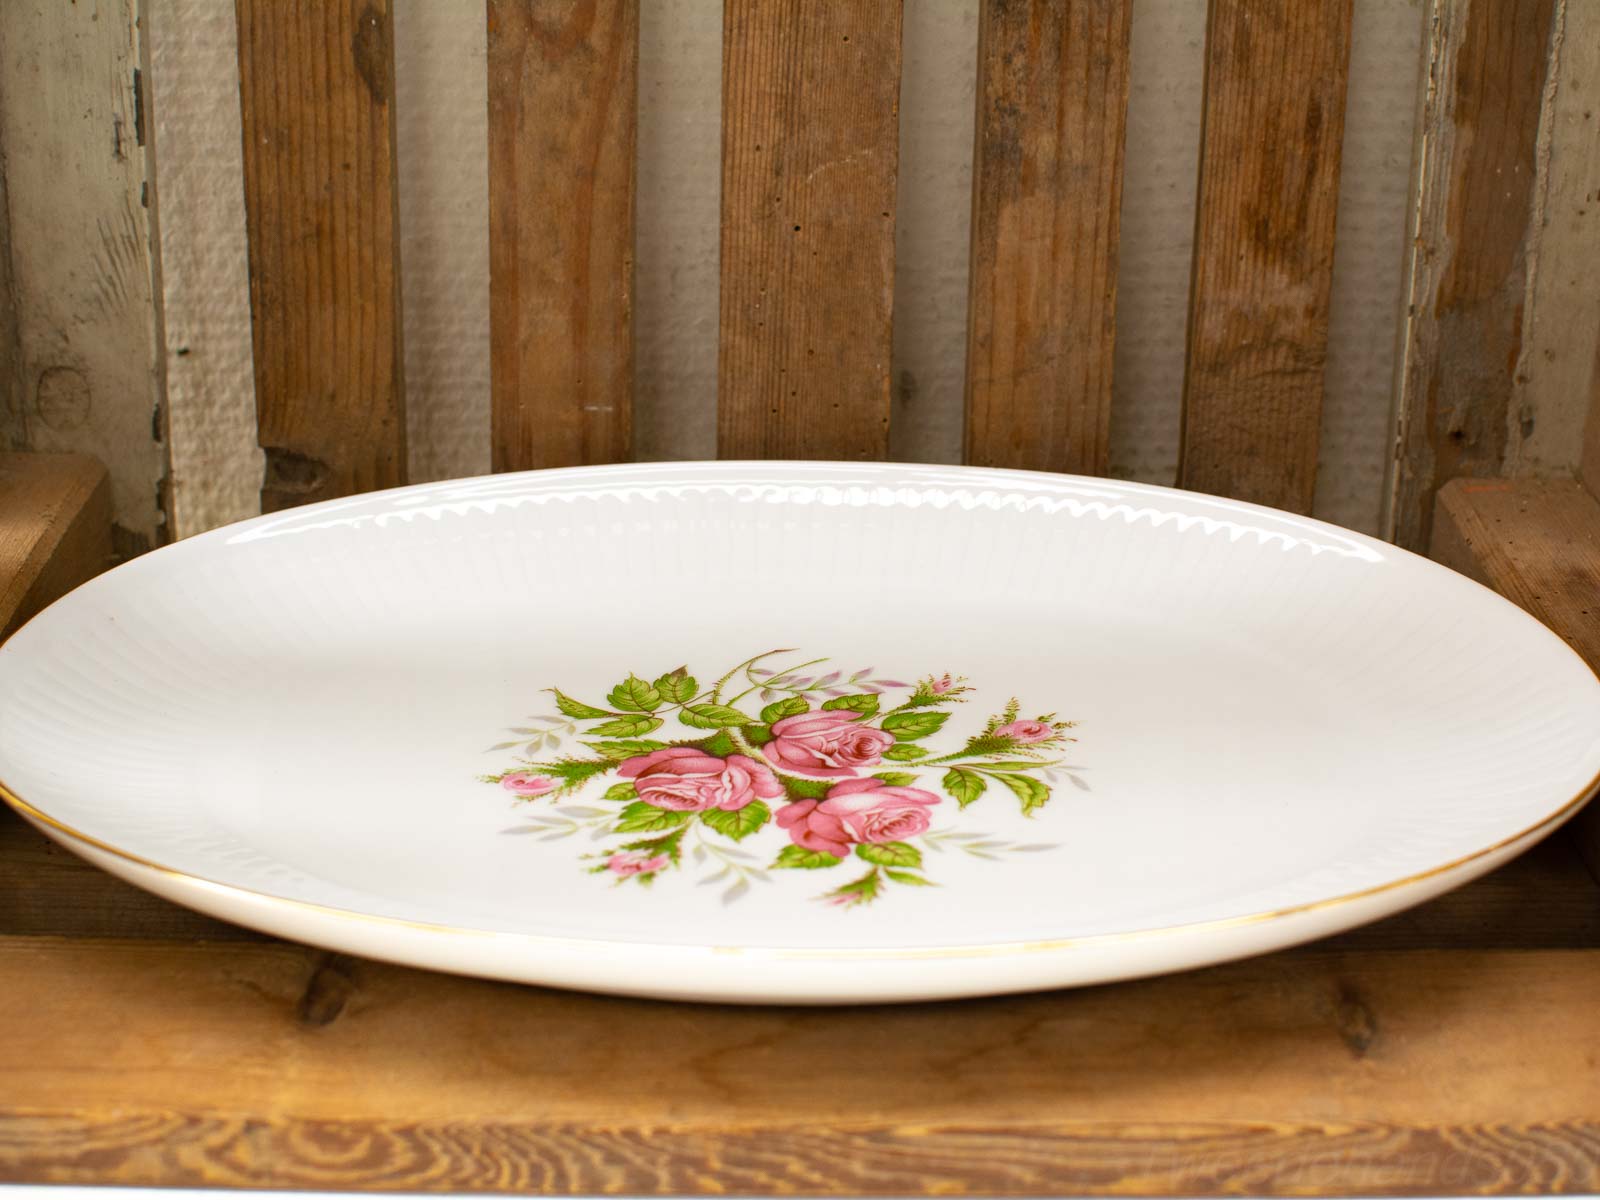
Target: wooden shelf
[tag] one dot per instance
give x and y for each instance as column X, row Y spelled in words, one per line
column 55, row 530
column 1452, row 1049
column 1536, row 542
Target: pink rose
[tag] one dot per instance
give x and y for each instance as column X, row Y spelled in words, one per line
column 683, row 779
column 525, row 783
column 858, row 810
column 942, row 685
column 635, row 863
column 825, row 744
column 1026, row 731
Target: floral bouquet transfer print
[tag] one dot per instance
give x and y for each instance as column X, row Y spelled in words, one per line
column 830, row 770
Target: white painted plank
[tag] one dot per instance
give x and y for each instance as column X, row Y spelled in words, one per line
column 216, row 463
column 80, row 245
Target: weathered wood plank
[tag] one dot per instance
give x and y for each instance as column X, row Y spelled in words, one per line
column 1538, row 544
column 1543, row 900
column 1052, row 107
column 46, row 890
column 810, row 154
column 1589, row 467
column 77, row 248
column 55, row 530
column 355, row 1074
column 1263, row 253
column 316, row 83
column 563, row 115
column 1488, row 66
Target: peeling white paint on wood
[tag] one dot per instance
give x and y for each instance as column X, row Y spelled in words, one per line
column 1562, row 322
column 443, row 190
column 216, row 464
column 79, row 242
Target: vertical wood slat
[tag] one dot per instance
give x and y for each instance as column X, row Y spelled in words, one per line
column 810, row 155
column 1263, row 253
column 563, row 115
column 317, row 102
column 1047, row 197
column 1488, row 66
column 1589, row 463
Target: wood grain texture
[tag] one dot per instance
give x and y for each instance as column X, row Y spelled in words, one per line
column 1441, row 1072
column 1537, row 543
column 55, row 530
column 1589, row 465
column 1544, row 900
column 46, row 890
column 1047, row 200
column 1263, row 249
column 316, row 84
column 563, row 115
column 1462, row 331
column 810, row 153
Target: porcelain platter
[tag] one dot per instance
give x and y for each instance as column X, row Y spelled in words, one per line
column 784, row 732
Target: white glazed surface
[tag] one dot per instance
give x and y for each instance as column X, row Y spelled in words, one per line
column 1285, row 729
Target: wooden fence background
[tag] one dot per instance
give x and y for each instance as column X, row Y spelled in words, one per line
column 1449, row 264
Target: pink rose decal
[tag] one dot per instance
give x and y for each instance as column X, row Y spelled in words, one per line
column 1026, row 731
column 858, row 810
column 683, row 779
column 525, row 783
column 825, row 744
column 728, row 794
column 636, row 863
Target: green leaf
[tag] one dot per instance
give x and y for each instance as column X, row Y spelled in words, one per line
column 1021, row 765
column 576, row 708
column 964, row 786
column 908, row 877
column 779, row 709
column 802, row 859
column 678, row 686
column 806, row 789
column 890, row 854
column 896, row 778
column 718, row 744
column 865, row 703
column 909, row 726
column 617, row 751
column 621, row 791
column 635, row 695
column 640, row 817
column 573, row 771
column 740, row 824
column 904, row 752
column 712, row 716
column 860, row 891
column 628, row 727
column 1029, row 790
column 670, row 844
column 757, row 735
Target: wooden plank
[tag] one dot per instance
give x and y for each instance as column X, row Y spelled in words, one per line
column 78, row 250
column 1047, row 199
column 1488, row 67
column 55, row 530
column 810, row 153
column 1441, row 1072
column 46, row 890
column 1263, row 251
column 1538, row 544
column 1589, row 467
column 1543, row 900
column 563, row 114
column 316, row 83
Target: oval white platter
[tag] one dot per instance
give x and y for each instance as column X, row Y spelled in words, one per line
column 783, row 732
